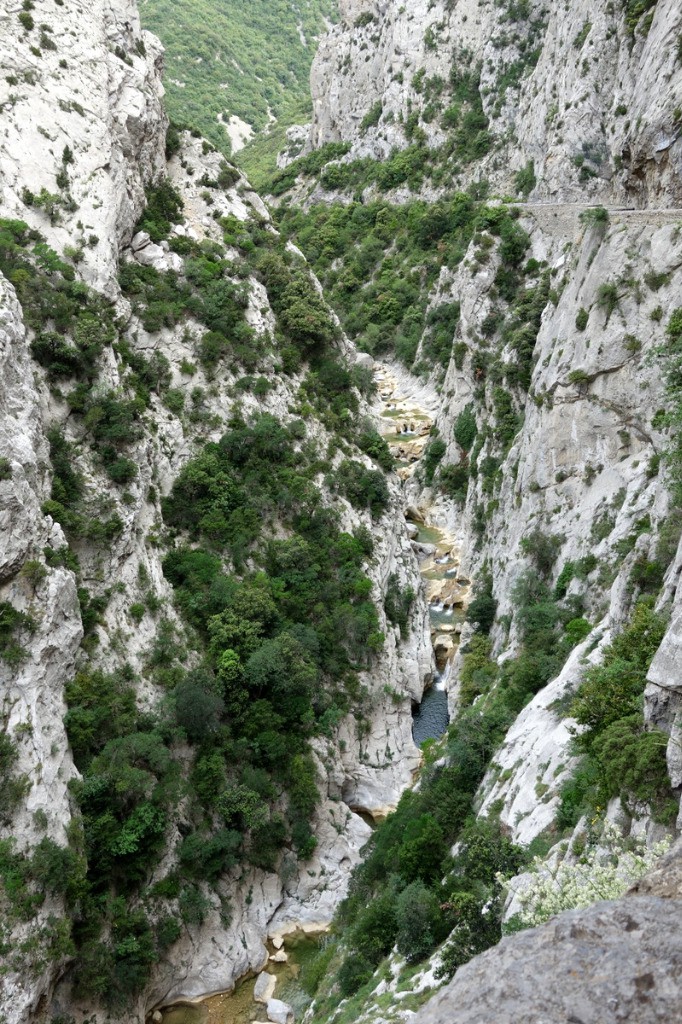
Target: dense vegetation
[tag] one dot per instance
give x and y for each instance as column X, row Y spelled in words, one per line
column 226, row 58
column 378, row 263
column 276, row 612
column 410, row 893
column 621, row 757
column 279, row 613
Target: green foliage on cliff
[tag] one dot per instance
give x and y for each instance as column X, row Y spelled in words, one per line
column 621, row 756
column 378, row 262
column 226, row 58
column 635, row 12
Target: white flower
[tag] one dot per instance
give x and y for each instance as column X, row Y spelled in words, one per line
column 608, row 866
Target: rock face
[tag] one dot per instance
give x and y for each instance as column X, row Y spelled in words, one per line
column 578, row 469
column 601, row 127
column 84, row 125
column 611, row 962
column 663, row 695
column 84, row 133
column 32, row 691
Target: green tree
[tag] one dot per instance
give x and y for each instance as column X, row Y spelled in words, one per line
column 417, row 916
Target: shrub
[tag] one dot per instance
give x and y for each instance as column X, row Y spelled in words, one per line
column 482, row 609
column 465, row 429
column 372, row 117
column 198, row 706
column 543, row 549
column 453, row 481
column 364, row 488
column 374, row 445
column 14, row 787
column 174, row 400
column 605, row 870
column 433, row 453
column 397, row 604
column 417, row 916
column 595, row 216
column 581, row 319
column 374, row 932
column 164, row 207
column 13, row 622
column 478, row 671
column 353, row 973
column 608, row 299
column 101, row 707
column 633, row 762
column 525, row 180
column 612, row 690
column 136, row 612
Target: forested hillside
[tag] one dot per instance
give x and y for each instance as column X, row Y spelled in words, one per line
column 227, row 58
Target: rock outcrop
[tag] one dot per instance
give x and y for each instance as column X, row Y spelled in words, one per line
column 81, row 97
column 611, row 962
column 602, row 127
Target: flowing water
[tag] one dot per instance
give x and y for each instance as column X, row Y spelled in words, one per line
column 405, row 425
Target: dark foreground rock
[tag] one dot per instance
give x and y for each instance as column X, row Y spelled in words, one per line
column 612, row 962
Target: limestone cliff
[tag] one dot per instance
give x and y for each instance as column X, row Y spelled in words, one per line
column 84, row 135
column 564, row 473
column 575, row 91
column 585, row 463
column 85, row 128
column 580, row 466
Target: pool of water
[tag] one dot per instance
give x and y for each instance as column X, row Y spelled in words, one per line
column 239, row 1006
column 430, row 535
column 431, row 718
column 440, row 616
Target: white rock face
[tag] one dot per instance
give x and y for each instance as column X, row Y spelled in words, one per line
column 279, row 1012
column 32, row 704
column 580, row 467
column 264, row 988
column 96, row 90
column 663, row 694
column 589, row 111
column 533, row 760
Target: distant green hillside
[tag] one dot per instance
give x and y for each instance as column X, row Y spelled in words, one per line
column 237, row 57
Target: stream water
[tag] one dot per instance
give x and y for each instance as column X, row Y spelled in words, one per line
column 239, row 1006
column 431, row 718
column 405, row 424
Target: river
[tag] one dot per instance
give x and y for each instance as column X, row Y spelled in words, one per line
column 405, row 418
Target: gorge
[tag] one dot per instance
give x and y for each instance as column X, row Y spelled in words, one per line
column 340, row 551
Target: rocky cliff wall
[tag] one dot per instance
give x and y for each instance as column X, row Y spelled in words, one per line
column 577, row 91
column 584, row 466
column 84, row 79
column 572, row 92
column 85, row 133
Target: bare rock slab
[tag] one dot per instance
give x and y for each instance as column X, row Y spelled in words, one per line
column 611, row 962
column 264, row 988
column 280, row 1012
